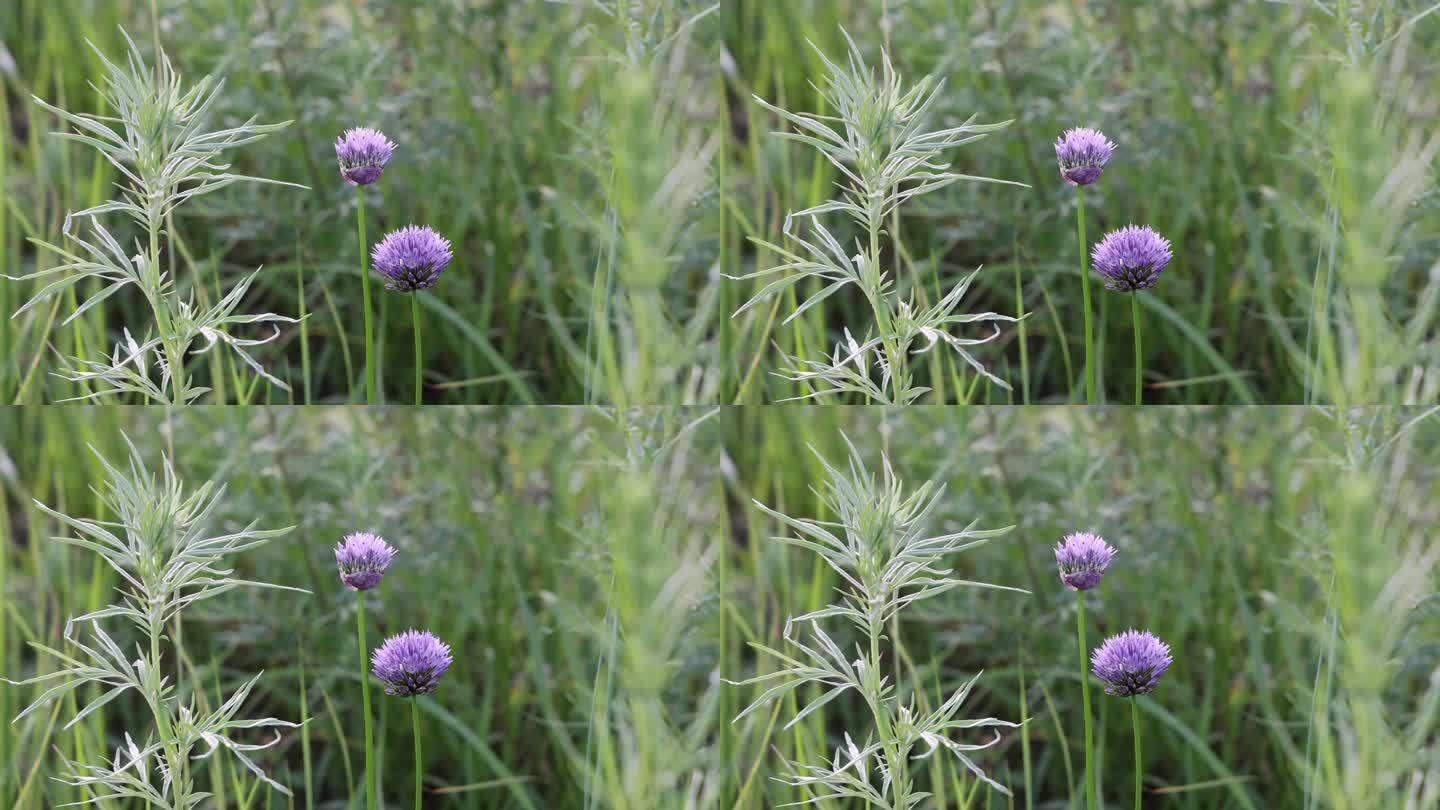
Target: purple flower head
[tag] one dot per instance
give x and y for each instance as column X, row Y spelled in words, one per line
column 363, row 153
column 1083, row 558
column 363, row 558
column 411, row 258
column 411, row 663
column 1083, row 153
column 1131, row 663
column 1131, row 258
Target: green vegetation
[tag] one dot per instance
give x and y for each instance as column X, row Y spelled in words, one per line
column 1286, row 555
column 1288, row 150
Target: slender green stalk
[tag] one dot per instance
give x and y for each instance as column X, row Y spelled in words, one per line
column 1085, row 700
column 1085, row 295
column 415, row 319
column 304, row 328
column 365, row 694
column 1135, row 317
column 415, row 724
column 1135, row 720
column 365, row 294
column 1020, row 323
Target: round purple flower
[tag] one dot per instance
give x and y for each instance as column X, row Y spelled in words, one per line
column 363, row 558
column 1131, row 258
column 411, row 258
column 1131, row 663
column 1083, row 558
column 363, row 153
column 1083, row 153
column 411, row 663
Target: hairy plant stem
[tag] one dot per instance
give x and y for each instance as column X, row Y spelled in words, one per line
column 174, row 352
column 1085, row 700
column 174, row 760
column 415, row 724
column 415, row 319
column 1135, row 721
column 365, row 697
column 1135, row 318
column 894, row 757
column 365, row 296
column 1085, row 296
column 893, row 357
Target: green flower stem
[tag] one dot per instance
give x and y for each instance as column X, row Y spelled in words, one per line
column 1085, row 693
column 415, row 723
column 365, row 294
column 365, row 693
column 1135, row 720
column 1135, row 316
column 1085, row 294
column 415, row 318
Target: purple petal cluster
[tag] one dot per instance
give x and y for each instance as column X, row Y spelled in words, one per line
column 411, row 258
column 363, row 558
column 1083, row 153
column 1131, row 258
column 1083, row 558
column 1131, row 663
column 411, row 663
column 363, row 153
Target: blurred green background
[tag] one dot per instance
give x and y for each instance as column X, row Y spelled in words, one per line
column 563, row 553
column 1287, row 149
column 565, row 149
column 1287, row 555
column 598, row 574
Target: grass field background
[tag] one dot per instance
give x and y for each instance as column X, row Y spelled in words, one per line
column 1287, row 555
column 599, row 575
column 563, row 148
column 601, row 166
column 564, row 555
column 1287, row 150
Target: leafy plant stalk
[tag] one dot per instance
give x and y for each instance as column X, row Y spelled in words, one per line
column 878, row 546
column 157, row 141
column 159, row 545
column 877, row 143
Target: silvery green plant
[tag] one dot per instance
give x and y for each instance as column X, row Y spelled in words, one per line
column 157, row 139
column 879, row 547
column 878, row 141
column 160, row 544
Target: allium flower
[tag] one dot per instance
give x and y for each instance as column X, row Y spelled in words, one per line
column 363, row 558
column 363, row 153
column 411, row 258
column 1083, row 558
column 1083, row 153
column 411, row 663
column 1131, row 258
column 1131, row 663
